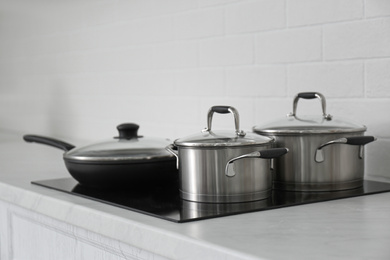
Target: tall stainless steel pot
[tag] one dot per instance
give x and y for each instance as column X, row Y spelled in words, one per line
column 326, row 154
column 223, row 166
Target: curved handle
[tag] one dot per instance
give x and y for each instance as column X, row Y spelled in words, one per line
column 263, row 154
column 224, row 110
column 49, row 141
column 311, row 95
column 353, row 140
column 173, row 150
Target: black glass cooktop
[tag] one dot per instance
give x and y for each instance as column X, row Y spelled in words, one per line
column 162, row 200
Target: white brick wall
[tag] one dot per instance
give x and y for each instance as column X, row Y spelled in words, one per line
column 378, row 78
column 77, row 69
column 227, row 51
column 252, row 16
column 355, row 40
column 307, row 12
column 289, row 46
column 339, row 79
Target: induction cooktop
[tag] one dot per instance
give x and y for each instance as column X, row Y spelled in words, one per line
column 163, row 201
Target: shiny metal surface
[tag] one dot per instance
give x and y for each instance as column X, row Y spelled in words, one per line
column 324, row 155
column 323, row 105
column 212, row 168
column 202, row 175
column 319, row 155
column 221, row 139
column 208, row 138
column 229, row 169
column 170, row 148
column 231, row 110
column 294, row 125
column 341, row 168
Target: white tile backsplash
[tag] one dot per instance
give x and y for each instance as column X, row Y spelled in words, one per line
column 378, row 78
column 308, row 12
column 356, row 40
column 227, row 51
column 200, row 23
column 259, row 81
column 375, row 8
column 337, row 79
column 253, row 16
column 78, row 69
column 289, row 46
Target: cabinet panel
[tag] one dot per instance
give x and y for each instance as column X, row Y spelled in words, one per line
column 27, row 235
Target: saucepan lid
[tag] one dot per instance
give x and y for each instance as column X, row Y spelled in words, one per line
column 209, row 138
column 308, row 124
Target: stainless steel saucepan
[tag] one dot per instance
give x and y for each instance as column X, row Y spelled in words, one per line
column 224, row 166
column 326, row 153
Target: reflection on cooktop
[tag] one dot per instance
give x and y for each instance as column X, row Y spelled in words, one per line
column 163, row 201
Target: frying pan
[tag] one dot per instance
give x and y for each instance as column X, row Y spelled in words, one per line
column 128, row 159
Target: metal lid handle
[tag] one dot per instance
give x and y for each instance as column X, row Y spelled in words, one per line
column 311, row 95
column 224, row 110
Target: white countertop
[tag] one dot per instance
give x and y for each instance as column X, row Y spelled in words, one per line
column 354, row 228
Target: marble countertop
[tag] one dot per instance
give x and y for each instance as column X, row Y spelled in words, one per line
column 353, row 228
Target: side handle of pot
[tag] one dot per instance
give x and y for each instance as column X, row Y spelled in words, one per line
column 353, row 140
column 173, row 150
column 263, row 154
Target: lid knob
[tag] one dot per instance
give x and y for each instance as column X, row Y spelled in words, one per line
column 128, row 130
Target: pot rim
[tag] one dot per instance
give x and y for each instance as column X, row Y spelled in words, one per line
column 318, row 131
column 223, row 145
column 119, row 160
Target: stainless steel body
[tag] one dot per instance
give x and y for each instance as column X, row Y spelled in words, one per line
column 224, row 167
column 202, row 175
column 326, row 154
column 342, row 167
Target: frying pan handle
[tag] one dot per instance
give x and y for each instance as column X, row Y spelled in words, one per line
column 353, row 140
column 224, row 110
column 264, row 154
column 48, row 141
column 311, row 95
column 173, row 150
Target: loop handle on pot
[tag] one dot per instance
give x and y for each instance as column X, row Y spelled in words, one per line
column 173, row 150
column 263, row 154
column 224, row 110
column 311, row 95
column 353, row 140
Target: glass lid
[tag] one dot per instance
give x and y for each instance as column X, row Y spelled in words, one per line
column 320, row 124
column 209, row 138
column 221, row 139
column 128, row 146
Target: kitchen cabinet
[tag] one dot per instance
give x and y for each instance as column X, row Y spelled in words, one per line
column 40, row 223
column 29, row 235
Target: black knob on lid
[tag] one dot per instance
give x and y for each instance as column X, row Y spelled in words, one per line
column 128, row 130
